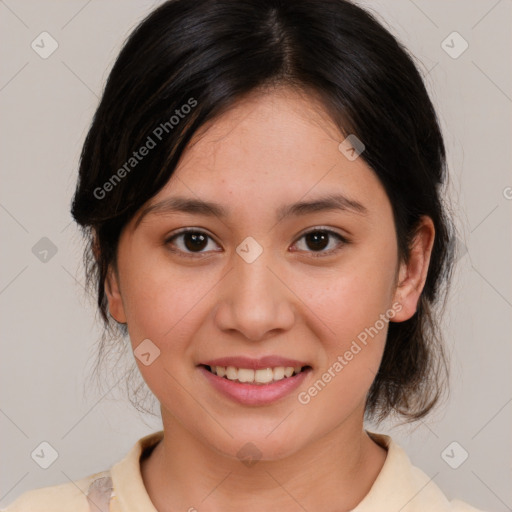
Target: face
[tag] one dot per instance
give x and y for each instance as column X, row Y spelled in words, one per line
column 258, row 283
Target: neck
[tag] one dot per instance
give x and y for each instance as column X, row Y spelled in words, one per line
column 333, row 473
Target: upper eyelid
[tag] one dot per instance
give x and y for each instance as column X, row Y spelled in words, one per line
column 190, row 230
column 320, row 228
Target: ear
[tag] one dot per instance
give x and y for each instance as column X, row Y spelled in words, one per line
column 111, row 285
column 413, row 274
column 115, row 302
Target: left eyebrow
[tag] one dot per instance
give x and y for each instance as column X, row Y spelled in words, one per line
column 211, row 209
column 328, row 203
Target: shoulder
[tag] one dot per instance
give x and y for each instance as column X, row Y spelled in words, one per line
column 64, row 497
column 403, row 486
column 122, row 482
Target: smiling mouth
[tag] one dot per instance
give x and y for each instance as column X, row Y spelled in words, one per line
column 258, row 377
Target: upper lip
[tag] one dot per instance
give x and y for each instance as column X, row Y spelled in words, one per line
column 255, row 364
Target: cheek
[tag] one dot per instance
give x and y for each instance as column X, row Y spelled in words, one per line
column 164, row 305
column 354, row 305
column 354, row 313
column 163, row 301
column 354, row 296
column 354, row 310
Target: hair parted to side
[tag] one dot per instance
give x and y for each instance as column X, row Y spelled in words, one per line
column 213, row 53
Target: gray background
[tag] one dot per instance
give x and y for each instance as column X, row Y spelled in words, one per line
column 48, row 325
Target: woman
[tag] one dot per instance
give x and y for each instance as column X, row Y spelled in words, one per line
column 261, row 193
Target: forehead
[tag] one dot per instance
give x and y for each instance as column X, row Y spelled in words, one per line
column 280, row 137
column 283, row 125
column 267, row 151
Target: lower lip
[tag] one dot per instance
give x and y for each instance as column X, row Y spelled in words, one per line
column 255, row 394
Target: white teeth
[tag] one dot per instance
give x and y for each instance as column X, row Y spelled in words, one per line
column 245, row 375
column 279, row 373
column 231, row 373
column 261, row 376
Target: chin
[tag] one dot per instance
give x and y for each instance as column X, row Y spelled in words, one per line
column 250, row 448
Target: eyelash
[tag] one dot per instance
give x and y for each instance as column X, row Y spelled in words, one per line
column 317, row 254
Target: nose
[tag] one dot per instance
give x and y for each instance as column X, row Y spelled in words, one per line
column 255, row 300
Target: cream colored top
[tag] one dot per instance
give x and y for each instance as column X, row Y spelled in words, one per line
column 400, row 486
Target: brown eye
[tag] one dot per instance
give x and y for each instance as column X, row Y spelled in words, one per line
column 190, row 241
column 317, row 240
column 194, row 241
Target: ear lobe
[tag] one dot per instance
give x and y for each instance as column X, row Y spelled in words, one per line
column 413, row 274
column 115, row 302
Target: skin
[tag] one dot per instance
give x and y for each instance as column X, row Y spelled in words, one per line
column 271, row 149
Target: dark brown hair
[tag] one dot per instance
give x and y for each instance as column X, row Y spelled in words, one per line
column 213, row 53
